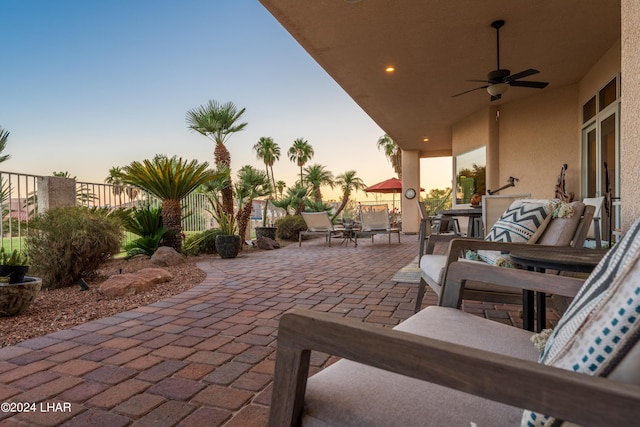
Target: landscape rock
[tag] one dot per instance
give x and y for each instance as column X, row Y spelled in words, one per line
column 267, row 243
column 134, row 283
column 165, row 256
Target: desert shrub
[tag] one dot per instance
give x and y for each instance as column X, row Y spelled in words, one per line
column 201, row 243
column 66, row 244
column 289, row 227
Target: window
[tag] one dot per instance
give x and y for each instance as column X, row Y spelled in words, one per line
column 470, row 175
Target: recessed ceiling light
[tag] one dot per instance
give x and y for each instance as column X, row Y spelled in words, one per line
column 425, row 139
column 390, row 69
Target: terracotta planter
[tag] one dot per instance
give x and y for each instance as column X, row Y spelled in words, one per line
column 269, row 232
column 16, row 297
column 228, row 246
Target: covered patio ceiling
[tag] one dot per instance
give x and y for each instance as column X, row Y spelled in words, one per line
column 436, row 46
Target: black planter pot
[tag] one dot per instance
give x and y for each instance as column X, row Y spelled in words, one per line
column 269, row 232
column 228, row 246
column 13, row 273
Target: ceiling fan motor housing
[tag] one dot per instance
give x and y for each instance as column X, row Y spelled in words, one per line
column 498, row 76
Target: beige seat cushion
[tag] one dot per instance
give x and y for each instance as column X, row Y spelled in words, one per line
column 348, row 393
column 560, row 231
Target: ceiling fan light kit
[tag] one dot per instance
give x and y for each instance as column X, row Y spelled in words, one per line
column 499, row 80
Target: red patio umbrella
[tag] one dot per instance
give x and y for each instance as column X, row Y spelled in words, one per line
column 391, row 185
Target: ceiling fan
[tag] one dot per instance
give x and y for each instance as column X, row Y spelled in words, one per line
column 499, row 80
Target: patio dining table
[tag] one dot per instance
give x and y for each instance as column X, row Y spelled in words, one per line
column 579, row 260
column 472, row 212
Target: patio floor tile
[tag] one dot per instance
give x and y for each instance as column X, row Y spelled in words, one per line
column 206, row 357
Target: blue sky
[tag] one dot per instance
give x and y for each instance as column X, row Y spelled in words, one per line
column 87, row 85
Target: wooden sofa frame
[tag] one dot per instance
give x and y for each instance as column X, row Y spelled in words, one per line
column 567, row 395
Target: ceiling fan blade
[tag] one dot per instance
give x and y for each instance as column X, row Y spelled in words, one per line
column 522, row 74
column 470, row 90
column 535, row 85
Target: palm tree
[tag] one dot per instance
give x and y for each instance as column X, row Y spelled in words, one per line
column 300, row 153
column 318, row 176
column 269, row 152
column 281, row 185
column 169, row 179
column 5, row 187
column 348, row 182
column 115, row 180
column 392, row 152
column 4, row 136
column 217, row 122
column 252, row 183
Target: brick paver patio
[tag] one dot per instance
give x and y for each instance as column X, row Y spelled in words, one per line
column 206, row 356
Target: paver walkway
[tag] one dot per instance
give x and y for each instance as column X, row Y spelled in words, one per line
column 206, row 356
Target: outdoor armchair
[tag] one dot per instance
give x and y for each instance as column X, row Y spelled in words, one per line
column 318, row 223
column 446, row 367
column 375, row 220
column 570, row 232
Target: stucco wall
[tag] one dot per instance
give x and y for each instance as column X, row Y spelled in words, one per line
column 538, row 135
column 630, row 116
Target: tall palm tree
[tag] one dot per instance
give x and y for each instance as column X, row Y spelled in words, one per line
column 218, row 122
column 251, row 183
column 269, row 152
column 169, row 179
column 318, row 176
column 281, row 185
column 348, row 182
column 392, row 152
column 300, row 153
column 115, row 180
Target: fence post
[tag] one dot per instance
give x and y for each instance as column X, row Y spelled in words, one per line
column 55, row 192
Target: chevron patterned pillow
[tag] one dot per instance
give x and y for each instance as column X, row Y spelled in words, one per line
column 523, row 221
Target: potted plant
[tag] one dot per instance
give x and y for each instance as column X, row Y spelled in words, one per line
column 13, row 266
column 264, row 230
column 17, row 292
column 228, row 242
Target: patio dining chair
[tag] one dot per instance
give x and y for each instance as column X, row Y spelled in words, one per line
column 374, row 220
column 318, row 223
column 445, row 367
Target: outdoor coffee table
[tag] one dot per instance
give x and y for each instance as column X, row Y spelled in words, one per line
column 578, row 260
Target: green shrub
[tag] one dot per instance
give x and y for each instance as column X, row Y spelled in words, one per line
column 145, row 222
column 289, row 227
column 201, row 243
column 66, row 244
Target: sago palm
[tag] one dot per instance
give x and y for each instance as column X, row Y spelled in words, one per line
column 300, row 153
column 392, row 152
column 317, row 176
column 170, row 180
column 348, row 182
column 218, row 122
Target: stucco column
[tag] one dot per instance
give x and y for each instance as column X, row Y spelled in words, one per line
column 55, row 192
column 630, row 112
column 410, row 179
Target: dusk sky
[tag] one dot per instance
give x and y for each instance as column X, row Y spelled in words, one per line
column 87, row 85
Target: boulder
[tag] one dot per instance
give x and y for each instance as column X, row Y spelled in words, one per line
column 267, row 243
column 134, row 283
column 165, row 256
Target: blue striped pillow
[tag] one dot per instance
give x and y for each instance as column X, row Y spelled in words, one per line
column 602, row 323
